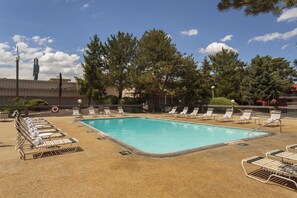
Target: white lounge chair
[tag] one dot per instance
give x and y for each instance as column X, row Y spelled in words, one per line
column 282, row 155
column 277, row 169
column 227, row 116
column 107, row 111
column 183, row 113
column 194, row 113
column 76, row 113
column 4, row 116
column 92, row 112
column 208, row 115
column 291, row 147
column 121, row 110
column 38, row 146
column 275, row 118
column 172, row 111
column 246, row 116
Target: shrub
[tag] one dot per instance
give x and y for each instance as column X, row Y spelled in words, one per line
column 128, row 100
column 220, row 101
column 107, row 100
column 36, row 102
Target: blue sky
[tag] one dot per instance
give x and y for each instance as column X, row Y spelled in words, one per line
column 57, row 31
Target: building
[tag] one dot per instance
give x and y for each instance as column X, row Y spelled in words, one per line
column 46, row 90
column 41, row 89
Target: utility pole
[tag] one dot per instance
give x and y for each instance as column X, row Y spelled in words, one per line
column 17, row 60
column 60, row 88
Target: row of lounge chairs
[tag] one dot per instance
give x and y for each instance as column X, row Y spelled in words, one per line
column 92, row 112
column 35, row 136
column 228, row 116
column 281, row 164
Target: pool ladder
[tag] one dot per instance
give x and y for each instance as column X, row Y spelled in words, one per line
column 257, row 128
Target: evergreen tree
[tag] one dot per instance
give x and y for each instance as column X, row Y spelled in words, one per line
column 228, row 72
column 256, row 7
column 207, row 80
column 187, row 84
column 268, row 78
column 92, row 83
column 119, row 52
column 156, row 64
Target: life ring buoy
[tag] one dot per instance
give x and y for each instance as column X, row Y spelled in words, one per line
column 55, row 109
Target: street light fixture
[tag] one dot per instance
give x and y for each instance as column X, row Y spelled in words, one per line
column 212, row 90
column 232, row 101
column 17, row 61
column 79, row 102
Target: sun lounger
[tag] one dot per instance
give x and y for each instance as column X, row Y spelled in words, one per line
column 208, row 115
column 194, row 113
column 292, row 147
column 121, row 111
column 44, row 125
column 274, row 119
column 277, row 169
column 76, row 113
column 246, row 116
column 4, row 116
column 282, row 155
column 227, row 116
column 34, row 132
column 38, row 146
column 92, row 112
column 172, row 111
column 107, row 111
column 183, row 113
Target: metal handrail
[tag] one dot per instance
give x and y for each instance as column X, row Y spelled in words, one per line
column 257, row 128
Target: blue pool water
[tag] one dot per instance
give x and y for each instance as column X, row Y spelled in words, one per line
column 163, row 136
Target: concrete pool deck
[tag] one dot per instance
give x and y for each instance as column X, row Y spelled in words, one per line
column 100, row 171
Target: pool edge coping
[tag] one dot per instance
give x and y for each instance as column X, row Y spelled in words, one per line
column 178, row 153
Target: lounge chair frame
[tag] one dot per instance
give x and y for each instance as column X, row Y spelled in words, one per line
column 227, row 117
column 273, row 167
column 38, row 150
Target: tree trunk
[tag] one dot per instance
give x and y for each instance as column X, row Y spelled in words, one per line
column 89, row 102
column 120, row 94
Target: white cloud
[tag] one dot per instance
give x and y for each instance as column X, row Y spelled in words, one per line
column 191, row 32
column 41, row 41
column 274, row 36
column 18, row 38
column 51, row 62
column 215, row 47
column 227, row 38
column 6, row 56
column 85, row 6
column 288, row 15
column 284, row 46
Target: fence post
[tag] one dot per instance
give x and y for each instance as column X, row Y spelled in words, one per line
column 26, row 111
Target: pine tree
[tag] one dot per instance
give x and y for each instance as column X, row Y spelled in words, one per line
column 120, row 51
column 92, row 83
column 256, row 7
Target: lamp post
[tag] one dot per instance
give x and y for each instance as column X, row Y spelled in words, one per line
column 79, row 101
column 165, row 90
column 17, row 60
column 212, row 90
column 233, row 101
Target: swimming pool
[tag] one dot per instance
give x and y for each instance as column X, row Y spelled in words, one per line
column 162, row 137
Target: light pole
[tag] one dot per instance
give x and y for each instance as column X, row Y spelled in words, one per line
column 17, row 60
column 165, row 90
column 79, row 102
column 212, row 90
